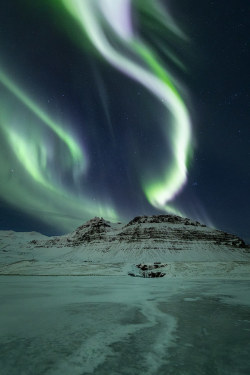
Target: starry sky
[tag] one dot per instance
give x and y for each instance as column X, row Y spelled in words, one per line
column 118, row 108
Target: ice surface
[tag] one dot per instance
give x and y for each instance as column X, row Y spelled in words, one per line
column 113, row 325
column 194, row 321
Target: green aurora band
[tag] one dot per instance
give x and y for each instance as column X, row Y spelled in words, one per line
column 98, row 18
column 35, row 185
column 40, row 151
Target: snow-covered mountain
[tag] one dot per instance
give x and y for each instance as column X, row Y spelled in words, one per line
column 98, row 243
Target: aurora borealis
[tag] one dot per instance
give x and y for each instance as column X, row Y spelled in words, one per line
column 101, row 113
column 157, row 80
column 39, row 182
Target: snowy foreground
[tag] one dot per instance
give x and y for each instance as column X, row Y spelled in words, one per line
column 121, row 325
column 238, row 270
column 69, row 307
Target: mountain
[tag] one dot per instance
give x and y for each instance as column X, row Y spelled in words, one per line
column 99, row 243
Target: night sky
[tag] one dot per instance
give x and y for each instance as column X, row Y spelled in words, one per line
column 118, row 108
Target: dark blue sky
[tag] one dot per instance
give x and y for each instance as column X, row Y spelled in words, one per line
column 119, row 114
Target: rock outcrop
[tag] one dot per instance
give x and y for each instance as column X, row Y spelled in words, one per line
column 173, row 232
column 156, row 244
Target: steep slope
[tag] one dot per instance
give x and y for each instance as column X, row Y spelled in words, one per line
column 99, row 247
column 143, row 239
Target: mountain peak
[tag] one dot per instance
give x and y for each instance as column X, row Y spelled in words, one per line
column 95, row 222
column 149, row 238
column 155, row 219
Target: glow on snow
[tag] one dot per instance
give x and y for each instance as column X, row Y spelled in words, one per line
column 35, row 185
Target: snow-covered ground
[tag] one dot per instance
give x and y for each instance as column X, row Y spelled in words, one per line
column 122, row 326
column 58, row 318
column 239, row 270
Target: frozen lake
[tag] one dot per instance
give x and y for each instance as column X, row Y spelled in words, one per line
column 121, row 325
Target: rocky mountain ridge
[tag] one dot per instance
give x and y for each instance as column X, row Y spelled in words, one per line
column 158, row 228
column 172, row 231
column 98, row 247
